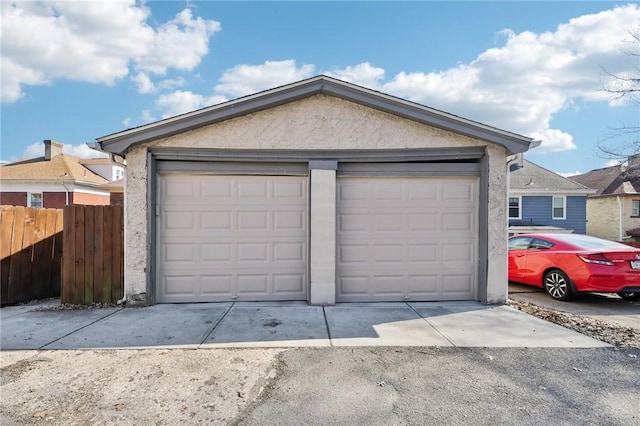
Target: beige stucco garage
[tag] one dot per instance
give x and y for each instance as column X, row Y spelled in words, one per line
column 321, row 191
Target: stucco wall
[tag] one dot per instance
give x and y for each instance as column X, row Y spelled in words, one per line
column 603, row 216
column 320, row 122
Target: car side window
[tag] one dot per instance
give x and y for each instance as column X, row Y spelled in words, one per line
column 540, row 244
column 519, row 243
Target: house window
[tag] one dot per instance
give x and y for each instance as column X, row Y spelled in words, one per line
column 514, row 208
column 635, row 208
column 559, row 207
column 119, row 174
column 34, row 199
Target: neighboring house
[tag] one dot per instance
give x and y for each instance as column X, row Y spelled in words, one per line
column 321, row 191
column 613, row 212
column 543, row 201
column 58, row 179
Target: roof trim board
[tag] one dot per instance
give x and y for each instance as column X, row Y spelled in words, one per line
column 118, row 143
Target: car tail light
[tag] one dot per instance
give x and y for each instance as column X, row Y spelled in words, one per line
column 597, row 258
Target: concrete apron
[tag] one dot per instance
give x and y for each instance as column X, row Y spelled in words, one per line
column 282, row 324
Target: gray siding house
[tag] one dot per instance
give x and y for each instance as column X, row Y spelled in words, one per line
column 321, row 191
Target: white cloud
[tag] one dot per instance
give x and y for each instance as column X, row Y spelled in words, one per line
column 553, row 140
column 126, row 122
column 143, row 83
column 248, row 79
column 180, row 102
column 363, row 74
column 82, row 151
column 147, row 116
column 521, row 85
column 235, row 82
column 36, row 35
column 613, row 162
column 180, row 43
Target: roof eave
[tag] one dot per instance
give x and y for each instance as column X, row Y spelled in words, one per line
column 119, row 142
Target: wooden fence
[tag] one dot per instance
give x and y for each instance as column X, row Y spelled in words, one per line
column 93, row 261
column 31, row 250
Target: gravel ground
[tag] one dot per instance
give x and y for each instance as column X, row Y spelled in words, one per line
column 620, row 337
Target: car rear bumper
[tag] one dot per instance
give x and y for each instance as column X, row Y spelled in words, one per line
column 611, row 283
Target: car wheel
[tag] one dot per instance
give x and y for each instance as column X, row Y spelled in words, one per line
column 557, row 285
column 629, row 295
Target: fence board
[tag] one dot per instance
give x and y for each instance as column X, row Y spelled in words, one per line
column 57, row 253
column 98, row 264
column 46, row 268
column 107, row 256
column 26, row 255
column 6, row 233
column 89, row 253
column 79, row 230
column 118, row 255
column 39, row 278
column 68, row 256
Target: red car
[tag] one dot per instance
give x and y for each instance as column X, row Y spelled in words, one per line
column 567, row 264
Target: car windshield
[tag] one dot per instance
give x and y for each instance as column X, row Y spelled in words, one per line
column 590, row 243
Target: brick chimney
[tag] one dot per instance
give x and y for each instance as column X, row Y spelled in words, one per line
column 51, row 149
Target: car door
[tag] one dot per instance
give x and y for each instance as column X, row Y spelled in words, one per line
column 518, row 249
column 537, row 261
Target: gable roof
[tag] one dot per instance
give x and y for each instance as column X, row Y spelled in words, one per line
column 615, row 180
column 118, row 143
column 62, row 167
column 533, row 178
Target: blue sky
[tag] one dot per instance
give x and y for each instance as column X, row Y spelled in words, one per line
column 534, row 68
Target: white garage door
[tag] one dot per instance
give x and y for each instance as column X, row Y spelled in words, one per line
column 225, row 238
column 407, row 239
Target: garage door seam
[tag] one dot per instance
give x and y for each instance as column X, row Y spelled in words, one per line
column 432, row 326
column 326, row 323
column 217, row 324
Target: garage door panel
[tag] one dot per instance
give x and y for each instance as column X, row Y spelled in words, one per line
column 353, row 253
column 255, row 284
column 179, row 220
column 422, row 253
column 388, row 254
column 287, row 252
column 216, row 252
column 180, row 285
column 406, row 238
column 238, row 237
column 424, row 285
column 251, row 190
column 284, row 191
column 288, row 220
column 216, row 220
column 457, row 284
column 288, row 283
column 357, row 285
column 216, row 285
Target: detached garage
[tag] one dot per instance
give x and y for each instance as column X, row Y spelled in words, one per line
column 320, row 191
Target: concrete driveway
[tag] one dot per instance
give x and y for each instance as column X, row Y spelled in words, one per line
column 602, row 306
column 284, row 324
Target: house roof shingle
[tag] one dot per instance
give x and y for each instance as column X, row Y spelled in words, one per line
column 533, row 178
column 61, row 167
column 615, row 180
